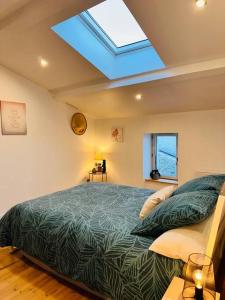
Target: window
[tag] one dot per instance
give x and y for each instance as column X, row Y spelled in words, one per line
column 164, row 154
column 108, row 36
column 117, row 22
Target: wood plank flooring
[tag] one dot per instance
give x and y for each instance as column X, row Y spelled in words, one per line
column 22, row 280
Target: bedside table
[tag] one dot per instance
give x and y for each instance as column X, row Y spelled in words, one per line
column 92, row 174
column 174, row 291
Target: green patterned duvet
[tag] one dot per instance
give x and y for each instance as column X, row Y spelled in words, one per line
column 84, row 233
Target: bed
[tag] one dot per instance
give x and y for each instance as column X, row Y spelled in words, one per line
column 84, row 234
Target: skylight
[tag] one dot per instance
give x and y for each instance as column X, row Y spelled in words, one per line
column 115, row 19
column 109, row 37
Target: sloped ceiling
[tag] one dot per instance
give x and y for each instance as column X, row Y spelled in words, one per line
column 25, row 35
column 181, row 33
column 9, row 7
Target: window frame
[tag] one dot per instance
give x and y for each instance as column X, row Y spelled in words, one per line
column 96, row 29
column 154, row 153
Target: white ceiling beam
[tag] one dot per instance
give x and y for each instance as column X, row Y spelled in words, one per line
column 201, row 68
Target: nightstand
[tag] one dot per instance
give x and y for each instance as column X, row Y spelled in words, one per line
column 92, row 174
column 174, row 291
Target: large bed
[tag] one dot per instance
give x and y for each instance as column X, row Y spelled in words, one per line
column 91, row 234
column 83, row 233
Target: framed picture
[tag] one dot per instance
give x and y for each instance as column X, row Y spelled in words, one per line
column 117, row 134
column 13, row 118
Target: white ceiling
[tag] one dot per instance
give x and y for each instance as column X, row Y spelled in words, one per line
column 180, row 32
column 25, row 35
column 8, row 7
column 166, row 96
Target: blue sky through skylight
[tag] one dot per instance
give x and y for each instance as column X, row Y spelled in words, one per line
column 117, row 22
column 109, row 37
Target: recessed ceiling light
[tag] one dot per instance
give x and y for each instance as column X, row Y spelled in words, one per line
column 200, row 3
column 138, row 97
column 43, row 62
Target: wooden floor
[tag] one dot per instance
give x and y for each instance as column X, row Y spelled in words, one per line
column 22, row 280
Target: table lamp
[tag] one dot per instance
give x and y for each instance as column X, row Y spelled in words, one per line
column 99, row 156
column 199, row 278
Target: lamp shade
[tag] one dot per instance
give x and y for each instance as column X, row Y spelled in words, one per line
column 199, row 278
column 99, row 155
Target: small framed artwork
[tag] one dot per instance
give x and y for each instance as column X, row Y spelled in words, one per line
column 117, row 134
column 13, row 118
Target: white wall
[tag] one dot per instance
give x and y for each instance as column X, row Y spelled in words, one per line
column 201, row 144
column 50, row 157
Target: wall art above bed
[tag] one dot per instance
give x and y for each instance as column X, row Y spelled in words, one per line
column 13, row 118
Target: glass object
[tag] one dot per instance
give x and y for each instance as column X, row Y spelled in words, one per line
column 115, row 19
column 199, row 278
column 166, row 155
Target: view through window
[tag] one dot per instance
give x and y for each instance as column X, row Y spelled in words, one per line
column 164, row 154
column 115, row 19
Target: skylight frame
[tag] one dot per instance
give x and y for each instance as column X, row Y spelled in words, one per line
column 86, row 38
column 95, row 28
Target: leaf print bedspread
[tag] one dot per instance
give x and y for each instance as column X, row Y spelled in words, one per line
column 84, row 233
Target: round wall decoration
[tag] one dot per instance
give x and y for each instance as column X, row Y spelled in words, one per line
column 78, row 123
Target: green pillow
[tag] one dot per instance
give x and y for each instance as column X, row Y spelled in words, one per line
column 210, row 182
column 179, row 210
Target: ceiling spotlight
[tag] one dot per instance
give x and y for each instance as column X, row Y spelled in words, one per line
column 43, row 62
column 138, row 97
column 200, row 3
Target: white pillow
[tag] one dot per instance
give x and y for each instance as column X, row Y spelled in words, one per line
column 155, row 199
column 179, row 243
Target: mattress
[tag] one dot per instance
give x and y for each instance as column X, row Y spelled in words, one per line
column 84, row 234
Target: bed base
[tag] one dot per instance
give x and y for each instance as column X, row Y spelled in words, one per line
column 63, row 277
